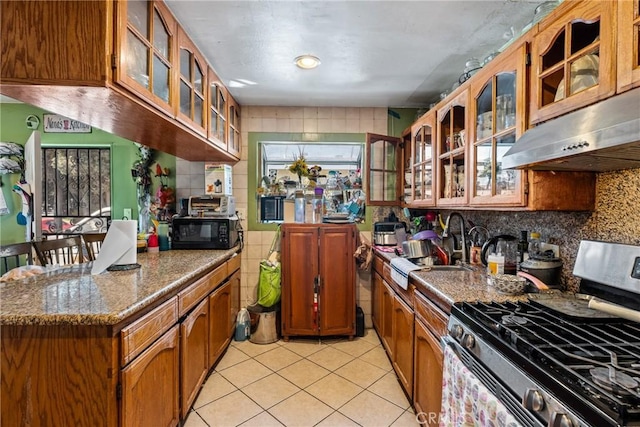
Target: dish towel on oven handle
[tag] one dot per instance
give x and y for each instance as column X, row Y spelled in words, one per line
column 400, row 269
column 466, row 401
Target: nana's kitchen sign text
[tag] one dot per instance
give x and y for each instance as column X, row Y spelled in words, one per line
column 55, row 123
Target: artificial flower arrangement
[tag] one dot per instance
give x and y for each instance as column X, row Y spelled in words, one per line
column 299, row 166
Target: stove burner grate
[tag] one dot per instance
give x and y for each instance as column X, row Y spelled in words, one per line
column 614, row 380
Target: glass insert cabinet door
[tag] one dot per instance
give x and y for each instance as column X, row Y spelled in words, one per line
column 420, row 174
column 383, row 170
column 146, row 59
column 498, row 117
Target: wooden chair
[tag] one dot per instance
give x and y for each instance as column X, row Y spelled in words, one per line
column 93, row 243
column 15, row 255
column 63, row 251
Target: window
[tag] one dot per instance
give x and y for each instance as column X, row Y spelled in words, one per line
column 334, row 166
column 76, row 190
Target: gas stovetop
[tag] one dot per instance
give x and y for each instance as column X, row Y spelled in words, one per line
column 590, row 362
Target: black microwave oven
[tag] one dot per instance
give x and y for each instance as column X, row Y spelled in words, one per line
column 205, row 233
column 272, row 208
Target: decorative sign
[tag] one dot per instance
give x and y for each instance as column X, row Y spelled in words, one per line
column 54, row 123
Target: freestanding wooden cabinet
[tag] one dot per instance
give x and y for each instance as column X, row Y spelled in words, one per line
column 318, row 280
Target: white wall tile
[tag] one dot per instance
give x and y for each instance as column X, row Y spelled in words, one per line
column 366, row 125
column 310, row 125
column 283, row 112
column 338, row 113
column 296, row 125
column 324, row 125
column 339, row 125
column 366, row 113
column 353, row 126
column 269, row 125
column 353, row 113
column 283, row 125
column 324, row 112
column 380, row 114
column 296, row 113
column 310, row 112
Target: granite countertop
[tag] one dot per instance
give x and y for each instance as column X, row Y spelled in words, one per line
column 448, row 287
column 71, row 295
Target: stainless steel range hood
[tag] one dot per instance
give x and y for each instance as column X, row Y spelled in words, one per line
column 601, row 137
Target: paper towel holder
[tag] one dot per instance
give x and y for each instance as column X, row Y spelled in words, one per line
column 123, row 267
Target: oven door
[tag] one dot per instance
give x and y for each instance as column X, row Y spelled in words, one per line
column 472, row 395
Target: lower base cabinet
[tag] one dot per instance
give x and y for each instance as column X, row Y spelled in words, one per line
column 150, row 384
column 427, row 392
column 146, row 372
column 403, row 320
column 194, row 354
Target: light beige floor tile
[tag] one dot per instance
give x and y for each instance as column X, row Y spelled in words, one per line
column 337, row 420
column 390, row 389
column 378, row 357
column 232, row 357
column 263, row 419
column 194, row 420
column 278, row 358
column 334, row 390
column 303, row 373
column 214, row 388
column 270, row 390
column 362, row 373
column 330, row 358
column 367, row 409
column 299, row 410
column 253, row 350
column 355, row 348
column 304, row 347
column 407, row 419
column 371, row 336
column 245, row 373
column 231, row 410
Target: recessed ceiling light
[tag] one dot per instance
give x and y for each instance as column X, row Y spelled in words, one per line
column 307, row 62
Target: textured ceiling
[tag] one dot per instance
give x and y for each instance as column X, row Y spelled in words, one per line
column 373, row 53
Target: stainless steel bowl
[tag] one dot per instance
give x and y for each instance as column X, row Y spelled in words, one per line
column 416, row 248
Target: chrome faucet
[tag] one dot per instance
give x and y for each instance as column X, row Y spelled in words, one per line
column 460, row 253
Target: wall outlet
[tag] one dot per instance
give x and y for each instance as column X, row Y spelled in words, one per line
column 242, row 213
column 126, row 213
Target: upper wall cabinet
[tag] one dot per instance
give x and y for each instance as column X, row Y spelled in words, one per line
column 383, row 169
column 452, row 161
column 419, row 176
column 628, row 44
column 498, row 94
column 128, row 69
column 146, row 43
column 218, row 111
column 573, row 58
column 191, row 84
column 235, row 143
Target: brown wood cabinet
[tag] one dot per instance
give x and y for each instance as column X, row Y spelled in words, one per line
column 573, row 58
column 234, row 145
column 146, row 400
column 427, row 392
column 129, row 70
column 194, row 354
column 146, row 40
column 419, row 176
column 403, row 319
column 318, row 280
column 191, row 83
column 144, row 371
column 628, row 64
column 395, row 322
column 382, row 168
column 219, row 333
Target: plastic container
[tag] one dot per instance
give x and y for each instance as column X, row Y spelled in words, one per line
column 317, row 206
column 495, row 264
column 299, row 207
column 163, row 236
column 243, row 325
column 534, row 244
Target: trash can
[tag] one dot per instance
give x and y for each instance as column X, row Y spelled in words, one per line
column 265, row 323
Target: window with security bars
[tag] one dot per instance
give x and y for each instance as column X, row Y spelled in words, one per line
column 76, row 190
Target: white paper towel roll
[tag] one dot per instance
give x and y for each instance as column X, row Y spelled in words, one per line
column 119, row 246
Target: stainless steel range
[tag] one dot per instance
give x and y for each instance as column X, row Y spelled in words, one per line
column 553, row 360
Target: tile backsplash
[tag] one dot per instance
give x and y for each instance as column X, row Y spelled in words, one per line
column 615, row 219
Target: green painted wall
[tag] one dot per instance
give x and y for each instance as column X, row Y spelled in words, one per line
column 123, row 154
column 395, row 125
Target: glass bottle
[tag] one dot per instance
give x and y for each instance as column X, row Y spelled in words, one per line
column 523, row 248
column 299, row 206
column 534, row 244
